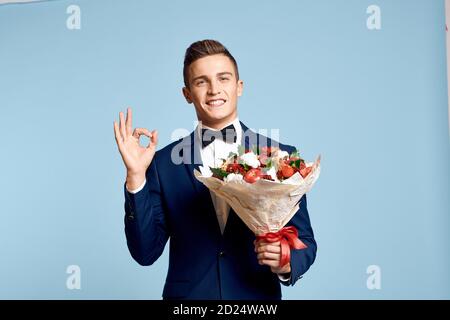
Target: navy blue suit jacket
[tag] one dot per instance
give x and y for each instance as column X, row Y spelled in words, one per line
column 203, row 263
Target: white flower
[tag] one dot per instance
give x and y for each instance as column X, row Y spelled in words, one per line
column 250, row 159
column 279, row 154
column 273, row 173
column 233, row 177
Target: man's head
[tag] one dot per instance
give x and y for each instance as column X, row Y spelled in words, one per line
column 212, row 82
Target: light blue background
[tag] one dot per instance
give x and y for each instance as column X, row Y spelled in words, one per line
column 373, row 103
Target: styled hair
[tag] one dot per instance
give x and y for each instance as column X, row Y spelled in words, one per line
column 204, row 48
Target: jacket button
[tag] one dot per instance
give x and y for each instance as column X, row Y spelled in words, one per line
column 222, row 253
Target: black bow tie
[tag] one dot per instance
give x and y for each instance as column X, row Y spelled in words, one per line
column 227, row 134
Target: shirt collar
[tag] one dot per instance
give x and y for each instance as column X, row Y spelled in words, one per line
column 235, row 122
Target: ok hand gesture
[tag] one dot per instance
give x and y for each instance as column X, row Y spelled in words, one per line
column 135, row 157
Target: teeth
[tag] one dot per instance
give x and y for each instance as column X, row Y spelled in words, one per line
column 216, row 102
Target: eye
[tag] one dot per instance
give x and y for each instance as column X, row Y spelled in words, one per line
column 200, row 82
column 224, row 78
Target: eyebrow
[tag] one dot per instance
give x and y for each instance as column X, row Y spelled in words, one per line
column 219, row 74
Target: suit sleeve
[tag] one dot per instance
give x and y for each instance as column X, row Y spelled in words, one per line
column 145, row 221
column 301, row 260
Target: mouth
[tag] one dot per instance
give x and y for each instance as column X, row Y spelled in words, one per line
column 216, row 102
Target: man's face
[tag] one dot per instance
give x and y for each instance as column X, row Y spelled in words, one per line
column 214, row 90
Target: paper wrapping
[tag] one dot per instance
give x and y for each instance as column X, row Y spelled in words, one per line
column 264, row 206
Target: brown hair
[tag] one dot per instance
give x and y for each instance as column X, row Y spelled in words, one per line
column 202, row 49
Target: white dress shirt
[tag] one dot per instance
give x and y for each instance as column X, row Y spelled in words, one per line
column 212, row 156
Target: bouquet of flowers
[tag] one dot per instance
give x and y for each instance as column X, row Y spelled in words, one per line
column 264, row 187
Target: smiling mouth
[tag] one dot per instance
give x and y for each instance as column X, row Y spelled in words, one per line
column 216, row 102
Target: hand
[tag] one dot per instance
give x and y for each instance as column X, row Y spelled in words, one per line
column 269, row 253
column 136, row 158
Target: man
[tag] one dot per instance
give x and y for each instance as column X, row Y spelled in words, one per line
column 213, row 254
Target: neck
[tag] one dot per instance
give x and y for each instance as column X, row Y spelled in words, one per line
column 219, row 124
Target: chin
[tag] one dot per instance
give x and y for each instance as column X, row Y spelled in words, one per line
column 217, row 114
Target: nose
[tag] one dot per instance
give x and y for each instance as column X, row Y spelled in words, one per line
column 214, row 88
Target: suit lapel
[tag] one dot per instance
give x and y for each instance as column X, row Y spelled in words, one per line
column 192, row 161
column 250, row 138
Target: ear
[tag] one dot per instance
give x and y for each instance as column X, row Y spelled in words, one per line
column 187, row 94
column 240, row 87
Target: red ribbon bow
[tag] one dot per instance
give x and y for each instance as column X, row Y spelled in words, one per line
column 288, row 237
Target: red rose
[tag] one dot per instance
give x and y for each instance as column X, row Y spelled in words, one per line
column 252, row 175
column 287, row 171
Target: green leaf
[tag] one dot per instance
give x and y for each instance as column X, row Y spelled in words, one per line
column 296, row 163
column 218, row 172
column 232, row 154
column 295, row 153
column 245, row 166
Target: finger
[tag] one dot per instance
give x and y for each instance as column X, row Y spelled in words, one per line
column 269, row 248
column 154, row 139
column 117, row 135
column 259, row 242
column 264, row 243
column 271, row 263
column 138, row 132
column 122, row 125
column 257, row 246
column 141, row 131
column 268, row 256
column 128, row 125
